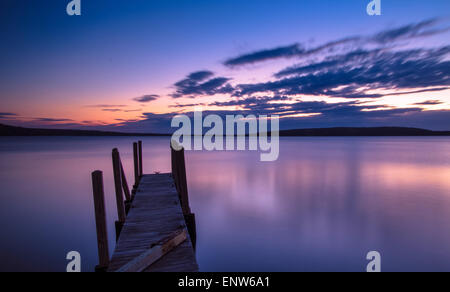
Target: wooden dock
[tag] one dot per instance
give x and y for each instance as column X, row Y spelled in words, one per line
column 155, row 228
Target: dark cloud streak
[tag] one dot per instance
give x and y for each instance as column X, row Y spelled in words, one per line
column 384, row 38
column 52, row 120
column 146, row 98
column 105, row 106
column 259, row 56
column 202, row 83
column 429, row 102
column 4, row 116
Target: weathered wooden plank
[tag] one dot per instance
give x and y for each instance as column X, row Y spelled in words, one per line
column 155, row 214
column 155, row 253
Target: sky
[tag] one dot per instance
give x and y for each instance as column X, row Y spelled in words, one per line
column 133, row 65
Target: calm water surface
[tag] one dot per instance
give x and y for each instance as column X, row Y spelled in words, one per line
column 321, row 207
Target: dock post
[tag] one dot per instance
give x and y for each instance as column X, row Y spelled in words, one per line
column 141, row 164
column 179, row 175
column 119, row 194
column 100, row 220
column 192, row 228
column 180, row 178
column 136, row 166
column 173, row 156
column 173, row 164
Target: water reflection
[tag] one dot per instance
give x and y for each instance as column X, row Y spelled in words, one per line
column 321, row 207
column 325, row 204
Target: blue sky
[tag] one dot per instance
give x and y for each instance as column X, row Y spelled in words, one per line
column 88, row 71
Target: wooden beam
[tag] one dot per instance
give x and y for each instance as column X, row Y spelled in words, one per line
column 183, row 183
column 173, row 165
column 141, row 164
column 180, row 179
column 155, row 253
column 136, row 165
column 126, row 189
column 179, row 176
column 119, row 194
column 100, row 220
column 192, row 228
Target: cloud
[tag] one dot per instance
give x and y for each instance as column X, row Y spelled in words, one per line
column 329, row 63
column 352, row 75
column 355, row 67
column 284, row 106
column 146, row 98
column 421, row 29
column 116, row 110
column 295, row 50
column 200, row 75
column 52, row 120
column 429, row 102
column 342, row 114
column 434, row 89
column 259, row 56
column 384, row 38
column 202, row 83
column 105, row 106
column 256, row 104
column 186, row 105
column 434, row 120
column 4, row 116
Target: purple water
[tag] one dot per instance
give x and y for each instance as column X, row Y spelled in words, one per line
column 322, row 206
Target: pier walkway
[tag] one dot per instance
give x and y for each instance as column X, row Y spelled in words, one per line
column 156, row 229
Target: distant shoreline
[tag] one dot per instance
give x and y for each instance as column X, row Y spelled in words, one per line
column 362, row 132
column 12, row 131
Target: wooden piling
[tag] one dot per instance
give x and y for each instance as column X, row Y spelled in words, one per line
column 100, row 220
column 179, row 175
column 136, row 165
column 119, row 194
column 141, row 164
column 180, row 179
column 192, row 228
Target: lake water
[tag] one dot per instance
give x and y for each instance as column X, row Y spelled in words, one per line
column 322, row 206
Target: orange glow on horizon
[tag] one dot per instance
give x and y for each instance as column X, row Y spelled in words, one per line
column 120, row 108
